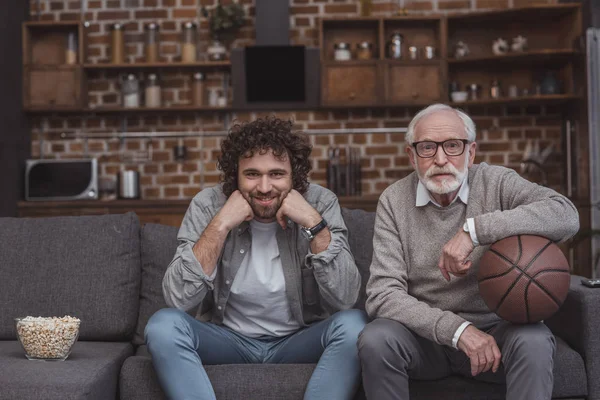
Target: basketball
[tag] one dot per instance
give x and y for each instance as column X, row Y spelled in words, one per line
column 523, row 279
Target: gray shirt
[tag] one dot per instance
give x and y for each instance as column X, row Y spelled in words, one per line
column 406, row 284
column 258, row 305
column 316, row 285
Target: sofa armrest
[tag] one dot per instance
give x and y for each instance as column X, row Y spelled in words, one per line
column 578, row 323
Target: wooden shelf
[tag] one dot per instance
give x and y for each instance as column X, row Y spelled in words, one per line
column 540, row 99
column 525, row 57
column 51, row 24
column 52, row 66
column 435, row 61
column 511, row 15
column 141, row 110
column 333, row 63
column 122, row 110
column 158, row 65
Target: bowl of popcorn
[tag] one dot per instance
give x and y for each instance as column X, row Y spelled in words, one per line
column 47, row 338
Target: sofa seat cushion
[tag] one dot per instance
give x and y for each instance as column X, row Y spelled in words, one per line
column 87, row 267
column 90, row 372
column 138, row 381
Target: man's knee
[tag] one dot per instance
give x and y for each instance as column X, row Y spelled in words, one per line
column 349, row 323
column 164, row 324
column 382, row 338
column 533, row 344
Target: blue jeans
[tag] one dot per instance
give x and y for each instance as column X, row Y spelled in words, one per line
column 180, row 345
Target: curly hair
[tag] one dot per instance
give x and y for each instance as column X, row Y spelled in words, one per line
column 262, row 135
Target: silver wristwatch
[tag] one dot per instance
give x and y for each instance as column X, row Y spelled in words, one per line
column 310, row 233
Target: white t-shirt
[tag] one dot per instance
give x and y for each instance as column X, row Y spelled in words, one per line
column 258, row 304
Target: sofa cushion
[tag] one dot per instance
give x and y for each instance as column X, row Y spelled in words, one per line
column 230, row 382
column 140, row 381
column 360, row 237
column 158, row 246
column 87, row 267
column 90, row 372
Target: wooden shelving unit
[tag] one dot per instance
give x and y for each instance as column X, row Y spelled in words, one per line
column 552, row 31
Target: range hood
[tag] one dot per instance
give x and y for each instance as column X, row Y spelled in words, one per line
column 273, row 74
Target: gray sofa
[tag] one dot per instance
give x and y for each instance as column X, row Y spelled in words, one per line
column 107, row 271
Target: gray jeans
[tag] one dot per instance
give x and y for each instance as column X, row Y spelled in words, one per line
column 391, row 354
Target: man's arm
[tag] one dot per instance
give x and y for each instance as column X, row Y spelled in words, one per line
column 201, row 239
column 330, row 258
column 332, row 261
column 387, row 289
column 528, row 208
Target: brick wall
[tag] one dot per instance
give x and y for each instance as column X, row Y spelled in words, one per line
column 502, row 131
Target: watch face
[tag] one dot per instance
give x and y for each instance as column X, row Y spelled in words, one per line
column 306, row 233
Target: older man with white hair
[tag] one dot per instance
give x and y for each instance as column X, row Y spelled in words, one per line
column 431, row 230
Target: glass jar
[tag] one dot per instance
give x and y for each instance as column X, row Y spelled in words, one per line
column 364, row 51
column 151, row 43
column 130, row 92
column 216, row 51
column 413, row 53
column 71, row 50
column 495, row 90
column 117, row 44
column 341, row 52
column 366, row 7
column 395, row 46
column 152, row 92
column 198, row 90
column 188, row 49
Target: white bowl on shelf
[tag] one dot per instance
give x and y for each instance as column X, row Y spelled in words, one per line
column 459, row 97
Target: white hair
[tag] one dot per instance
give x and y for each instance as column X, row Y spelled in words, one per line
column 467, row 121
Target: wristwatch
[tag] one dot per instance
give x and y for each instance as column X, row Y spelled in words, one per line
column 310, row 233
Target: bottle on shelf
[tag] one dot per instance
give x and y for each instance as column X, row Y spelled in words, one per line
column 117, row 44
column 71, row 49
column 151, row 42
column 152, row 92
column 130, row 91
column 188, row 49
column 198, row 91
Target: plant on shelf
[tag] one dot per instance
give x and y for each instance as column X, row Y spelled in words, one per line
column 223, row 21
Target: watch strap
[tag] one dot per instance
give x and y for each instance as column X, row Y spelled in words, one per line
column 318, row 227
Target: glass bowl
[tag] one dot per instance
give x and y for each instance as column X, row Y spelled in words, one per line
column 49, row 338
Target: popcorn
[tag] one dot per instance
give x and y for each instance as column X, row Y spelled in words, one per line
column 47, row 337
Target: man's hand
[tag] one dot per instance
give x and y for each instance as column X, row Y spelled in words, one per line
column 235, row 211
column 481, row 349
column 296, row 208
column 454, row 255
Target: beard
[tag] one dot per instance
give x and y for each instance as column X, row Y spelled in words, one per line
column 448, row 184
column 265, row 212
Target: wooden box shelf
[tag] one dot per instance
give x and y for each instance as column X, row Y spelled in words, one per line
column 553, row 33
column 381, row 81
column 52, row 81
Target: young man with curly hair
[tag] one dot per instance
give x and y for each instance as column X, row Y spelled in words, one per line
column 271, row 251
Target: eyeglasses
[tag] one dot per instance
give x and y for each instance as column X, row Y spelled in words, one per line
column 452, row 147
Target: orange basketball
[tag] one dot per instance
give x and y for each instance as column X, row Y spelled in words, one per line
column 524, row 278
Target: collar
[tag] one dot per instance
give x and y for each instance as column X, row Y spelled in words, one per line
column 423, row 196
